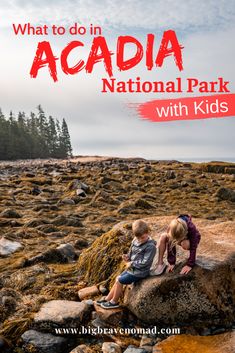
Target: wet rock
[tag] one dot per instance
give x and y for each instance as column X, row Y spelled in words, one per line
column 68, row 251
column 88, row 292
column 82, row 349
column 131, row 206
column 61, row 313
column 141, row 203
column 35, row 191
column 47, row 228
column 64, row 253
column 72, row 221
column 67, row 201
column 35, row 222
column 45, row 207
column 102, row 196
column 9, row 213
column 7, row 247
column 111, row 347
column 174, row 186
column 226, row 194
column 81, row 244
column 39, row 342
column 223, row 343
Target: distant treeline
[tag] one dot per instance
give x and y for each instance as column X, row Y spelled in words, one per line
column 37, row 136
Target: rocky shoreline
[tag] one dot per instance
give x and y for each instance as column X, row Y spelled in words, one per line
column 60, row 219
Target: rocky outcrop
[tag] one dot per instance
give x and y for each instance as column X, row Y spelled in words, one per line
column 206, row 295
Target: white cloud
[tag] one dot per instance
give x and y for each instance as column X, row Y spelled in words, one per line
column 150, row 14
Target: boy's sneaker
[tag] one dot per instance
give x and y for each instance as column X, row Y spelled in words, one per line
column 101, row 301
column 109, row 305
column 159, row 270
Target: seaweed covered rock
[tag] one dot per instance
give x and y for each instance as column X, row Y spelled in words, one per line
column 205, row 295
column 226, row 194
column 9, row 213
column 103, row 259
column 62, row 254
column 223, row 343
column 9, row 301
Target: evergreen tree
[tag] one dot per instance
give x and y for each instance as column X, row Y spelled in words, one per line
column 33, row 137
column 65, row 138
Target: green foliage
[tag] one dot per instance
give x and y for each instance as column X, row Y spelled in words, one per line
column 37, row 136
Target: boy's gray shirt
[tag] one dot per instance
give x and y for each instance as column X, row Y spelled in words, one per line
column 141, row 256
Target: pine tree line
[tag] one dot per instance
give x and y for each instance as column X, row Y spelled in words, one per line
column 37, row 136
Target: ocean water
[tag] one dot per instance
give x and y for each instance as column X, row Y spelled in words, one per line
column 201, row 160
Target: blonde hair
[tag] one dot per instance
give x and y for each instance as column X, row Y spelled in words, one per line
column 139, row 228
column 177, row 230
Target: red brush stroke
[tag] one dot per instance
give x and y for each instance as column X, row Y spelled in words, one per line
column 213, row 107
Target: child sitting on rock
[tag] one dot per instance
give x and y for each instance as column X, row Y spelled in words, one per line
column 184, row 233
column 139, row 259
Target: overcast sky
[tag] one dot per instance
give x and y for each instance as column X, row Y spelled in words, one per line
column 102, row 124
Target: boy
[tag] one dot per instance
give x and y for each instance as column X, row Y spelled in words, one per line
column 139, row 260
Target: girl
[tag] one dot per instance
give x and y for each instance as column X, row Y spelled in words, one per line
column 184, row 233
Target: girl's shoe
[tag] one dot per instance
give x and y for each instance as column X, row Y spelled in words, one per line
column 101, row 301
column 159, row 270
column 109, row 305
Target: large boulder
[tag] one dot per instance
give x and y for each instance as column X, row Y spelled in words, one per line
column 205, row 295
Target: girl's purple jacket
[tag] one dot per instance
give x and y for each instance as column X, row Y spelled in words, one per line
column 194, row 239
